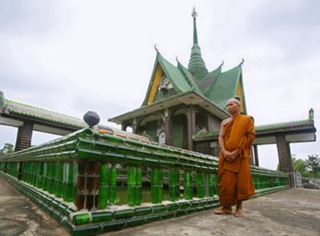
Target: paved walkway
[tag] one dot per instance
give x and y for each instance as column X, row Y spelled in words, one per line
column 289, row 212
column 294, row 212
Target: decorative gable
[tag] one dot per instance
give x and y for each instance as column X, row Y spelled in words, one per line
column 166, row 81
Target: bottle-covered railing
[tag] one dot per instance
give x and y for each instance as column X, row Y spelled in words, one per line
column 120, row 178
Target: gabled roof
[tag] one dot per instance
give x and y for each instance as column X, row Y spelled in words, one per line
column 179, row 82
column 215, row 86
column 224, row 86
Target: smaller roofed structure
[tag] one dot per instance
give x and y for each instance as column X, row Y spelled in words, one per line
column 28, row 118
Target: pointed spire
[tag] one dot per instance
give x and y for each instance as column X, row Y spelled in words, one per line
column 196, row 65
column 195, row 35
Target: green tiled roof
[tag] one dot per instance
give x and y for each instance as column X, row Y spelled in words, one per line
column 217, row 86
column 275, row 127
column 284, row 125
column 224, row 86
column 175, row 76
column 36, row 112
column 189, row 77
column 17, row 108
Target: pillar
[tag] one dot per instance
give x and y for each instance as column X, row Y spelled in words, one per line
column 255, row 155
column 24, row 136
column 168, row 126
column 23, row 141
column 190, row 126
column 284, row 154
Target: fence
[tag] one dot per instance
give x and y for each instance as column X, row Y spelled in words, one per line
column 97, row 181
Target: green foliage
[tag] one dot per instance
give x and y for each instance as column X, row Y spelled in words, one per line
column 307, row 168
column 299, row 165
column 313, row 164
column 7, row 148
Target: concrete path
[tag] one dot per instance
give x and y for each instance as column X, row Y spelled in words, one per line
column 289, row 212
column 294, row 212
column 19, row 216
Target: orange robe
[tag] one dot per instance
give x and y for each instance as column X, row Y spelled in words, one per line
column 235, row 182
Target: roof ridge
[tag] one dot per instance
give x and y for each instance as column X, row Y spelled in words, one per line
column 285, row 124
column 41, row 109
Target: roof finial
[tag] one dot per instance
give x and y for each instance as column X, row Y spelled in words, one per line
column 196, row 65
column 241, row 62
column 194, row 13
column 311, row 115
column 222, row 62
column 155, row 48
column 177, row 59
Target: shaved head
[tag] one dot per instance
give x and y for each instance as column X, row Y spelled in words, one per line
column 234, row 100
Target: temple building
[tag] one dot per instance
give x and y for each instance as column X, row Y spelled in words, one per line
column 181, row 102
column 184, row 107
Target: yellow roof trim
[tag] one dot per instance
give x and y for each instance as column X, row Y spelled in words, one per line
column 155, row 85
column 239, row 93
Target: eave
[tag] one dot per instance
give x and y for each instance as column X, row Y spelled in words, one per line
column 187, row 98
column 294, row 132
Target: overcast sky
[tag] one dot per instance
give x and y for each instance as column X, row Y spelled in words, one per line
column 71, row 56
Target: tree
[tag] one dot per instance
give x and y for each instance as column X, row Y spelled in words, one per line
column 7, row 148
column 313, row 164
column 299, row 166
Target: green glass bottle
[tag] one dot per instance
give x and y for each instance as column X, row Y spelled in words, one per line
column 160, row 186
column 210, row 185
column 187, row 185
column 200, row 185
column 154, row 184
column 66, row 166
column 138, row 192
column 103, row 190
column 69, row 183
column 51, row 175
column 39, row 182
column 172, row 185
column 28, row 172
column 58, row 179
column 35, row 173
column 32, row 173
column 45, row 184
column 113, row 184
column 24, row 171
column 177, row 185
column 131, row 185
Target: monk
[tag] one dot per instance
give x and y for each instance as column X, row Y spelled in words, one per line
column 236, row 137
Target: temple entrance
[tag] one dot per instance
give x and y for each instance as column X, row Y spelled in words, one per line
column 179, row 133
